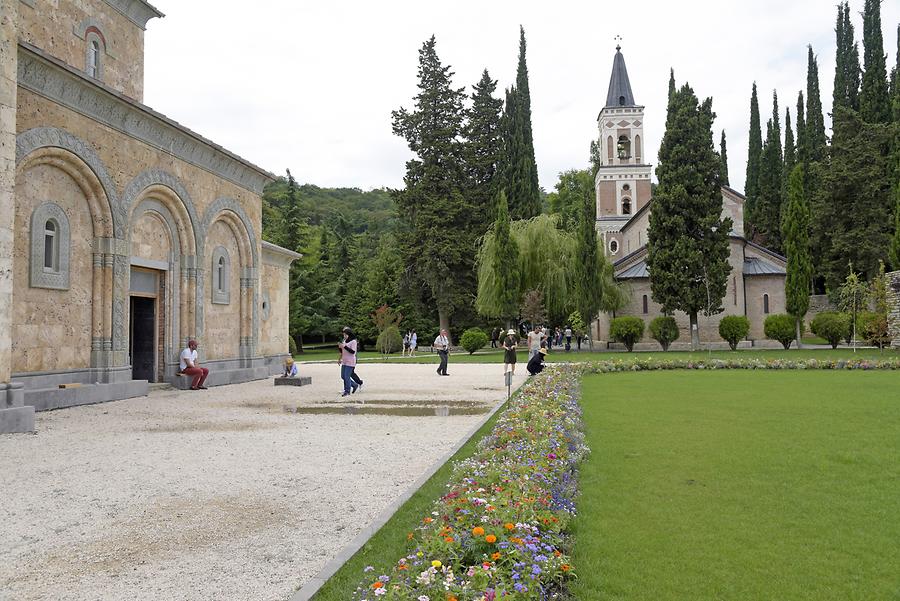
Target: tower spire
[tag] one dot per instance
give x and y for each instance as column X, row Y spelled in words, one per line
column 619, row 93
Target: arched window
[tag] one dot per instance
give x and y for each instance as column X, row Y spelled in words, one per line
column 624, row 147
column 49, row 253
column 221, row 266
column 93, row 66
column 613, row 247
column 637, row 147
column 621, row 101
column 626, row 206
column 51, row 246
column 609, row 148
column 765, row 303
column 645, row 303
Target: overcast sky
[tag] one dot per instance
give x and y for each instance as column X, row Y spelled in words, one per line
column 310, row 85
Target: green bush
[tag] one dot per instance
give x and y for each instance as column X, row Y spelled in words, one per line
column 626, row 330
column 292, row 345
column 664, row 330
column 389, row 341
column 473, row 339
column 733, row 329
column 781, row 327
column 873, row 327
column 832, row 326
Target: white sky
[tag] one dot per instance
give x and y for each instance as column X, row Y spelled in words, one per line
column 310, row 85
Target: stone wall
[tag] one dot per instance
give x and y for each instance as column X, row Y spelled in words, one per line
column 274, row 321
column 894, row 307
column 8, row 67
column 223, row 332
column 150, row 238
column 64, row 28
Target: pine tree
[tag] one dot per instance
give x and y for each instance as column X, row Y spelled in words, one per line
column 687, row 240
column 435, row 215
column 874, row 102
column 795, row 232
column 499, row 276
column 846, row 72
column 483, row 150
column 672, row 93
column 815, row 142
column 723, row 152
column 771, row 172
column 754, row 151
column 790, row 154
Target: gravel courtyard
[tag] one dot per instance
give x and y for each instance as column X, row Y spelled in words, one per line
column 226, row 494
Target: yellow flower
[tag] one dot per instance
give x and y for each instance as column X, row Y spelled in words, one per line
column 436, row 564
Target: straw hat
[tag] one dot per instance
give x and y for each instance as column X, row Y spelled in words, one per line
column 543, row 351
column 511, row 332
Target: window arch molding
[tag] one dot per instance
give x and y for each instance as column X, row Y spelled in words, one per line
column 94, row 54
column 50, row 271
column 221, row 276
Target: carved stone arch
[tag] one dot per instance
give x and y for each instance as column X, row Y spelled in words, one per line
column 60, row 149
column 231, row 211
column 167, row 189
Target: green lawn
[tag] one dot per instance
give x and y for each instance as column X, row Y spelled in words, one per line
column 737, row 485
column 491, row 356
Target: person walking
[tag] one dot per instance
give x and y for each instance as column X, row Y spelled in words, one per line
column 413, row 343
column 568, row 334
column 495, row 336
column 348, row 348
column 535, row 338
column 442, row 346
column 406, row 343
column 536, row 363
column 510, row 342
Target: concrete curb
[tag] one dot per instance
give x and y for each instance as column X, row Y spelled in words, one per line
column 308, row 590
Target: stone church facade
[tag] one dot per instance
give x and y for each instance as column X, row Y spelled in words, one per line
column 122, row 233
column 624, row 202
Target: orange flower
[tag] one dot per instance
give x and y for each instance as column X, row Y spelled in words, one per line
column 557, row 553
column 409, row 536
column 495, row 556
column 509, row 526
column 449, row 539
column 402, row 566
column 477, row 531
column 491, row 539
column 377, row 584
column 428, row 520
column 565, row 567
column 452, row 598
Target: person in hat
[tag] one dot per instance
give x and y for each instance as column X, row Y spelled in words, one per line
column 536, row 363
column 290, row 368
column 509, row 351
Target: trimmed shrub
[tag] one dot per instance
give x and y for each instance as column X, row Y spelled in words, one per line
column 626, row 330
column 389, row 341
column 832, row 326
column 664, row 330
column 873, row 327
column 473, row 339
column 733, row 329
column 781, row 327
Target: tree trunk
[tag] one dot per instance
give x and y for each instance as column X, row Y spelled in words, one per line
column 695, row 332
column 799, row 343
column 444, row 323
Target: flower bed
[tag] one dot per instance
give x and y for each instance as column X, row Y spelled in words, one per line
column 662, row 364
column 499, row 533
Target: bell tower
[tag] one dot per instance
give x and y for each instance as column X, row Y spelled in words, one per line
column 623, row 178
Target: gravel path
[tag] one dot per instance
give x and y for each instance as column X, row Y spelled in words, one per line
column 219, row 494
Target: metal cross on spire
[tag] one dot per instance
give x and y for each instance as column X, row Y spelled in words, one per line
column 618, row 39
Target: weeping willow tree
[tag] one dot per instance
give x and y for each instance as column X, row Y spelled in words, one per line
column 546, row 259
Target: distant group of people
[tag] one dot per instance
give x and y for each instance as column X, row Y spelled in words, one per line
column 410, row 342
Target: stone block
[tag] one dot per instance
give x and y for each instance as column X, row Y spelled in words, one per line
column 302, row 381
column 16, row 420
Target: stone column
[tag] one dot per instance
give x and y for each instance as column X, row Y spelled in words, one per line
column 14, row 416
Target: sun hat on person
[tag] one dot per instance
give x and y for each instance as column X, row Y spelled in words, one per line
column 511, row 332
column 543, row 351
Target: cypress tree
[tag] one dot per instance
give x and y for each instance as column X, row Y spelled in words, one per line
column 771, row 173
column 846, row 72
column 815, row 141
column 801, row 130
column 874, row 102
column 687, row 241
column 434, row 213
column 499, row 276
column 482, row 150
column 754, row 150
column 590, row 266
column 895, row 82
column 795, row 232
column 790, row 154
column 530, row 201
column 723, row 152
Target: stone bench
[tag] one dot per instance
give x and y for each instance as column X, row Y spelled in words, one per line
column 222, row 377
column 298, row 381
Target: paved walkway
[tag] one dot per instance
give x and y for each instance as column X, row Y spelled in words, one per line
column 219, row 494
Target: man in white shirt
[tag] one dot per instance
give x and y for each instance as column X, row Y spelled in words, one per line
column 534, row 341
column 442, row 346
column 190, row 367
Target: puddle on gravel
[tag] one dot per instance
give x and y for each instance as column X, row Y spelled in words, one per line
column 442, row 411
column 208, row 427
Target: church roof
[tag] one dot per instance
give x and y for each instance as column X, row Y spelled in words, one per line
column 757, row 266
column 619, row 93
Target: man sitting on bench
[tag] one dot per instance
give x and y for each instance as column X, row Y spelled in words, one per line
column 189, row 366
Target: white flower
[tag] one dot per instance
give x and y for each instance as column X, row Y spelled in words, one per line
column 423, row 598
column 380, row 592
